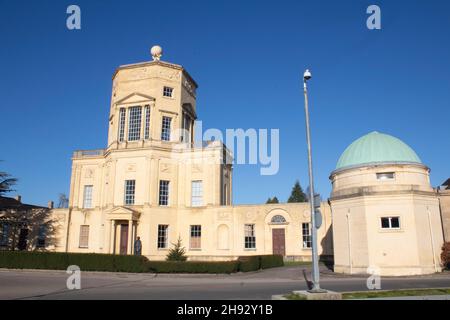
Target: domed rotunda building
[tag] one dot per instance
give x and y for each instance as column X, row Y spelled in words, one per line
column 386, row 217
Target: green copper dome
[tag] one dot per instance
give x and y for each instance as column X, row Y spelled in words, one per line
column 375, row 148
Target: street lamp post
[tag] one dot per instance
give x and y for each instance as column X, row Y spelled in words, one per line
column 315, row 262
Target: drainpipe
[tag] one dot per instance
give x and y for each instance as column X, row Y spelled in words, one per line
column 68, row 228
column 432, row 240
column 349, row 243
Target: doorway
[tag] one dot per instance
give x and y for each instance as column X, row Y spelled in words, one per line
column 123, row 238
column 278, row 242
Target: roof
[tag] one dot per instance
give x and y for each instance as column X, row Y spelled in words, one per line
column 11, row 203
column 377, row 148
column 447, row 183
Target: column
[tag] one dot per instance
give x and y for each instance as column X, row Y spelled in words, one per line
column 112, row 243
column 130, row 237
column 107, row 240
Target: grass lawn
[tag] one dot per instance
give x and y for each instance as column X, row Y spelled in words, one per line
column 395, row 293
column 382, row 294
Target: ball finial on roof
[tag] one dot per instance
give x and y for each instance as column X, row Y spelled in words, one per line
column 156, row 52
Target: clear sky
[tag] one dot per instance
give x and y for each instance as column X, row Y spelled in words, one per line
column 248, row 58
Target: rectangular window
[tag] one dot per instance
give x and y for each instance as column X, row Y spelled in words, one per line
column 306, row 235
column 385, row 175
column 134, row 124
column 196, row 237
column 122, row 114
column 250, row 239
column 130, row 186
column 168, row 92
column 163, row 192
column 41, row 236
column 197, row 193
column 4, row 234
column 87, row 197
column 390, row 222
column 84, row 236
column 165, row 132
column 147, row 123
column 162, row 236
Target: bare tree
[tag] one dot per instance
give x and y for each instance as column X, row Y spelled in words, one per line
column 63, row 201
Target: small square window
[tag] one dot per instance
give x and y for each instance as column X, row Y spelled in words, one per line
column 168, row 92
column 390, row 223
column 385, row 176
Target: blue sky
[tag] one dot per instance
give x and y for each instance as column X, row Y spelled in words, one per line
column 248, row 57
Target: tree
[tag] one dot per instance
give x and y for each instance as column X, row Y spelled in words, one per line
column 272, row 200
column 63, row 201
column 177, row 253
column 297, row 194
column 6, row 183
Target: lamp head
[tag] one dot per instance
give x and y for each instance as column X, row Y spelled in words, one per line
column 307, row 75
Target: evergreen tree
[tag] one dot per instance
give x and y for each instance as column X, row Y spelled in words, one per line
column 297, row 194
column 272, row 200
column 177, row 253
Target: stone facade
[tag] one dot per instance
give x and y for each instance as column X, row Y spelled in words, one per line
column 142, row 154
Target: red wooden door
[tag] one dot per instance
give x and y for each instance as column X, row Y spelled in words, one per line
column 278, row 242
column 123, row 238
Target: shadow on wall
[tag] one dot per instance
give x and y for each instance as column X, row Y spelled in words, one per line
column 28, row 229
column 327, row 256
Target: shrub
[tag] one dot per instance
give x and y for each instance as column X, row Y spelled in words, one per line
column 445, row 255
column 177, row 253
column 271, row 261
column 193, row 266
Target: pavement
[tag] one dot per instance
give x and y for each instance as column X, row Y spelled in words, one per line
column 259, row 285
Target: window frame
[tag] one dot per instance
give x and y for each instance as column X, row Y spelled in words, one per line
column 121, row 123
column 166, row 127
column 84, row 236
column 134, row 123
column 41, row 238
column 146, row 122
column 163, row 236
column 195, row 237
column 169, row 90
column 163, row 199
column 389, row 219
column 129, row 198
column 86, row 198
column 249, row 236
column 306, row 235
column 4, row 235
column 196, row 187
column 385, row 176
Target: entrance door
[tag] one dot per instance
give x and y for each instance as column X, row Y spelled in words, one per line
column 23, row 237
column 123, row 238
column 278, row 242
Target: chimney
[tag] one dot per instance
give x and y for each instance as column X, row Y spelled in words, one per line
column 18, row 198
column 50, row 204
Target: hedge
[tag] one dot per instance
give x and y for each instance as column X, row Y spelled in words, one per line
column 253, row 263
column 193, row 266
column 445, row 255
column 61, row 260
column 129, row 263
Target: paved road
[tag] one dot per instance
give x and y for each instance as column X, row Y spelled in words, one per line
column 40, row 284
